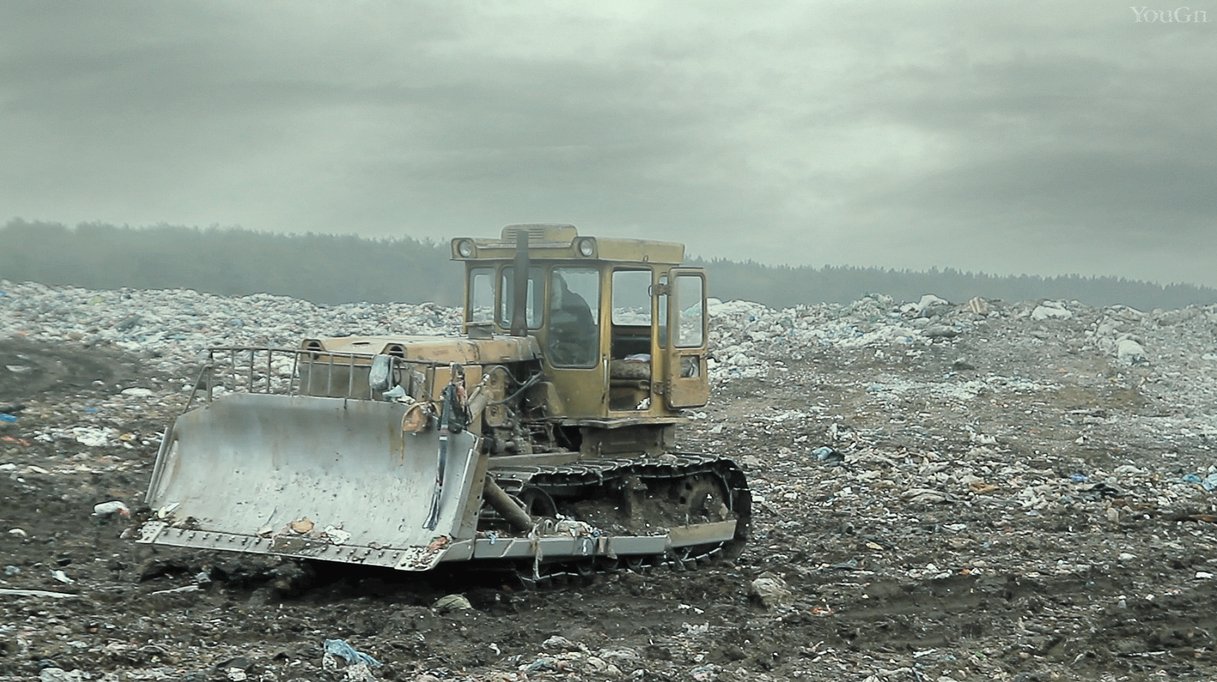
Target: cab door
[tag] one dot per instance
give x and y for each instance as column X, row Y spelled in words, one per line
column 686, row 381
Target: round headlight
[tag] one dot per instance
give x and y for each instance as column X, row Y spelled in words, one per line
column 464, row 248
column 586, row 247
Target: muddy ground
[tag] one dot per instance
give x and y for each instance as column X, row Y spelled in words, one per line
column 1015, row 503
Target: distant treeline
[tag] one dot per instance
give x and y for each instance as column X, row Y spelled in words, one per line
column 329, row 269
column 783, row 287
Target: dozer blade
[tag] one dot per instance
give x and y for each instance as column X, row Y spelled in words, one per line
column 319, row 478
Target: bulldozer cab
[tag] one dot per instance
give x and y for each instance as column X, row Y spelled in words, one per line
column 620, row 324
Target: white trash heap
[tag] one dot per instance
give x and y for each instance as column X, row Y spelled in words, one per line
column 174, row 327
column 171, row 328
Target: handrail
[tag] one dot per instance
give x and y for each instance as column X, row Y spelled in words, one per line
column 295, row 371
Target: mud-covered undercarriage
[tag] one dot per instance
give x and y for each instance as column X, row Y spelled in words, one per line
column 700, row 504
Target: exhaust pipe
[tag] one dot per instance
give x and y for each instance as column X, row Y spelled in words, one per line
column 519, row 317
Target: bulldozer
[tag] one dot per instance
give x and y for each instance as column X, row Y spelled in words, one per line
column 541, row 438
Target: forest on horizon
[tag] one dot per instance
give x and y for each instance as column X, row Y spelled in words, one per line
column 331, row 269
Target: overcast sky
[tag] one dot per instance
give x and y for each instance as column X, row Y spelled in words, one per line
column 1008, row 137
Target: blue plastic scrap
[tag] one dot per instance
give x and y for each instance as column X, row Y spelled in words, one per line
column 7, row 418
column 1079, row 478
column 542, row 664
column 348, row 653
column 1210, row 483
column 1192, row 478
column 828, row 455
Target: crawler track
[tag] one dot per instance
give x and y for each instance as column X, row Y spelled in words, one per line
column 630, row 497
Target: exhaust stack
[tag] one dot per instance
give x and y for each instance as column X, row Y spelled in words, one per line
column 519, row 293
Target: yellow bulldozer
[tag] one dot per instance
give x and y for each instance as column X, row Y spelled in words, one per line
column 543, row 437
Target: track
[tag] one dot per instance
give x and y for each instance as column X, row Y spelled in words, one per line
column 629, row 497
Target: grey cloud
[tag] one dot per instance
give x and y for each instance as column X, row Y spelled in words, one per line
column 895, row 135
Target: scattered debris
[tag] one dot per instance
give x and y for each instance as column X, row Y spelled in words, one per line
column 827, row 455
column 302, row 526
column 1051, row 310
column 770, row 591
column 176, row 590
column 926, row 496
column 53, row 674
column 560, row 643
column 91, row 437
column 452, row 602
column 1129, row 351
column 106, row 509
column 36, row 593
column 341, row 649
column 335, row 535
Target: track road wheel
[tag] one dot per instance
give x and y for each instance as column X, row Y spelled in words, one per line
column 703, row 498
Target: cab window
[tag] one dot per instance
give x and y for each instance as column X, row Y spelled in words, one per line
column 631, row 331
column 574, row 311
column 481, row 295
column 532, row 308
column 690, row 309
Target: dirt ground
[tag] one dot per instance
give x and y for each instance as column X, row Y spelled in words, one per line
column 1013, row 504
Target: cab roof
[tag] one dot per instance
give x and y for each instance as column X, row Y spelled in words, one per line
column 562, row 242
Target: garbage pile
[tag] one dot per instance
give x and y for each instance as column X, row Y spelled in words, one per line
column 947, row 491
column 172, row 327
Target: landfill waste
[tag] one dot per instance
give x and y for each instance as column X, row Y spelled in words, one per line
column 105, row 509
column 341, row 649
column 53, row 674
column 770, row 591
column 543, row 664
column 1051, row 310
column 827, row 455
column 1129, row 351
column 92, row 437
column 452, row 602
column 560, row 643
column 926, row 496
column 36, row 593
column 954, row 542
